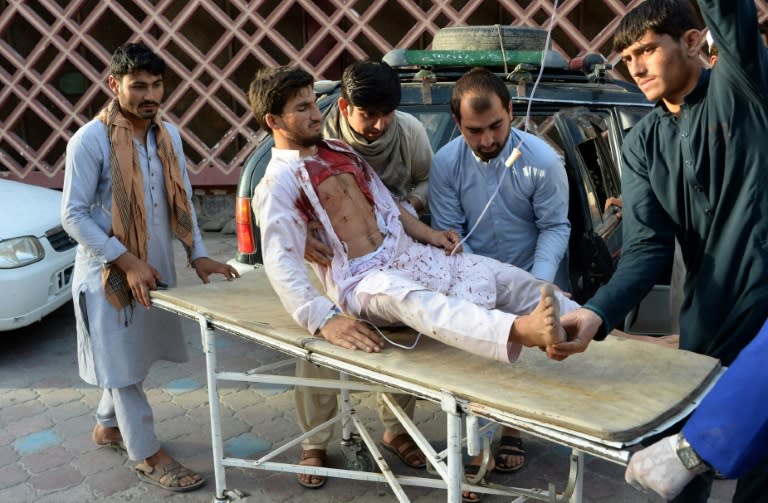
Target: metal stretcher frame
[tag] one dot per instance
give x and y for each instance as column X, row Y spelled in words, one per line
column 446, row 464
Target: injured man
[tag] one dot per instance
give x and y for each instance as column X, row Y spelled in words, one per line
column 388, row 268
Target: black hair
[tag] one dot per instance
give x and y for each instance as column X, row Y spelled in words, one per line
column 272, row 88
column 371, row 85
column 133, row 57
column 480, row 82
column 663, row 17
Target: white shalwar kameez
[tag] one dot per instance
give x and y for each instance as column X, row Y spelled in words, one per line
column 466, row 301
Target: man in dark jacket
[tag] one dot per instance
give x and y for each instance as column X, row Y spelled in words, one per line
column 694, row 169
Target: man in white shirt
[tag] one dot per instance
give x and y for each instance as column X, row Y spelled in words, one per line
column 387, row 267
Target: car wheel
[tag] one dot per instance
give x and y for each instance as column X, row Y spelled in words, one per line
column 487, row 38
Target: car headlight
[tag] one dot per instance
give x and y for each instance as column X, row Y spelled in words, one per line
column 18, row 252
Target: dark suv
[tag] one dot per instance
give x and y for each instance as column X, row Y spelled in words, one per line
column 577, row 107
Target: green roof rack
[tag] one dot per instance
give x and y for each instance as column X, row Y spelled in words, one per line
column 418, row 58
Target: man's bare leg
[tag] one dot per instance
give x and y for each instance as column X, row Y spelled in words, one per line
column 541, row 327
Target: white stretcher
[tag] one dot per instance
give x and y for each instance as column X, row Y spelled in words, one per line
column 602, row 402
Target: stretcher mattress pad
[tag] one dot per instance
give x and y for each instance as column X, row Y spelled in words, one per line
column 616, row 391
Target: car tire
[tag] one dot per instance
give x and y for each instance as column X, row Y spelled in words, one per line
column 486, row 38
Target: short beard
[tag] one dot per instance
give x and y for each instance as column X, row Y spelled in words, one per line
column 310, row 141
column 487, row 157
column 148, row 116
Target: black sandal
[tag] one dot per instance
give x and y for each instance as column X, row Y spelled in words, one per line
column 470, row 472
column 509, row 446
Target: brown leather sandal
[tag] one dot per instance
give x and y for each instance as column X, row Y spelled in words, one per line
column 167, row 476
column 319, row 480
column 406, row 449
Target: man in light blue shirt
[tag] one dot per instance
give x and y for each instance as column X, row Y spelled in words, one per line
column 526, row 224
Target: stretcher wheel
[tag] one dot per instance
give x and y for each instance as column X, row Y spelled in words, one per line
column 356, row 455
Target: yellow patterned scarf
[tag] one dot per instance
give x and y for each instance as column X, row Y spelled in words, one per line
column 129, row 223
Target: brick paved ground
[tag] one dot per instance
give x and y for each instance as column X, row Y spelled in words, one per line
column 46, row 453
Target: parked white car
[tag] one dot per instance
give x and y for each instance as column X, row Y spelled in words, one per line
column 37, row 257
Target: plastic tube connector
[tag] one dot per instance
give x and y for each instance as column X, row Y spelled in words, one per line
column 513, row 157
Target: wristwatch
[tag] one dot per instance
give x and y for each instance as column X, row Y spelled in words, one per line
column 685, row 453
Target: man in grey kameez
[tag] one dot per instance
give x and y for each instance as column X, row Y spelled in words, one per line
column 119, row 336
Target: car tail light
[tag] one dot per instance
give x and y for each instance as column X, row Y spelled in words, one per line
column 245, row 241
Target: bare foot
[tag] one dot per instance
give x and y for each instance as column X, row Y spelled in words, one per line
column 541, row 327
column 103, row 435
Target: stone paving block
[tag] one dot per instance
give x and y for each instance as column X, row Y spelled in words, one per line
column 12, row 475
column 69, row 410
column 203, row 412
column 22, row 411
column 280, row 487
column 46, row 459
column 248, row 482
column 229, row 387
column 193, row 399
column 76, row 425
column 245, row 446
column 257, row 409
column 195, row 366
column 36, row 442
column 6, row 437
column 18, row 396
column 232, row 426
column 99, row 460
column 91, row 397
column 272, row 389
column 56, row 479
column 107, row 484
column 7, row 455
column 29, row 425
column 280, row 432
column 16, row 493
column 238, row 400
column 163, row 373
column 158, row 395
column 187, row 447
column 57, row 396
column 79, row 443
column 174, row 428
column 183, row 385
column 77, row 494
column 167, row 411
column 154, row 493
column 257, row 414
